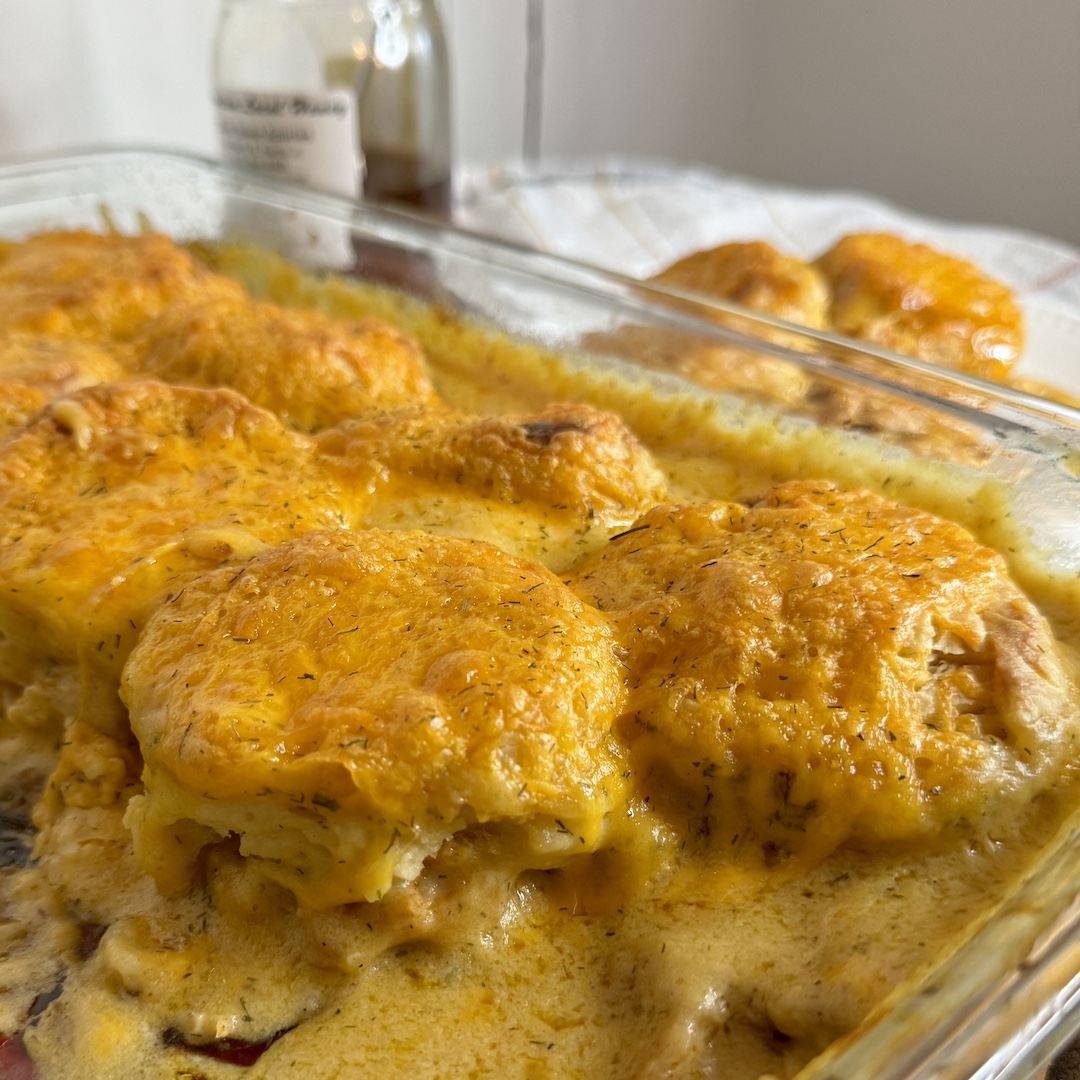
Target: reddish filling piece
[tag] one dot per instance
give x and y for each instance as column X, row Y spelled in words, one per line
column 231, row 1051
column 14, row 1062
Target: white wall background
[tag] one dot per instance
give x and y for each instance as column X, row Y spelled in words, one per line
column 968, row 109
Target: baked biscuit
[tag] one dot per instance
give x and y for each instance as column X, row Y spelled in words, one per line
column 34, row 370
column 755, row 275
column 826, row 665
column 750, row 374
column 86, row 285
column 310, row 369
column 917, row 301
column 113, row 496
column 347, row 701
column 545, row 485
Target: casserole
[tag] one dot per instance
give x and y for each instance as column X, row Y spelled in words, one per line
column 1000, row 464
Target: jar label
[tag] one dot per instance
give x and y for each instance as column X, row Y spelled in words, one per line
column 312, row 138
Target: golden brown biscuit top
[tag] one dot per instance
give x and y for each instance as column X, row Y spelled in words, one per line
column 346, row 701
column 826, row 664
column 755, row 275
column 311, row 370
column 549, row 485
column 923, row 303
column 115, row 493
column 82, row 284
column 569, row 458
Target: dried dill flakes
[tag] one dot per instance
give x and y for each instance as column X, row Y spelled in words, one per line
column 628, row 532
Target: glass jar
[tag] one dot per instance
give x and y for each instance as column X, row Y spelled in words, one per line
column 288, row 75
column 346, row 96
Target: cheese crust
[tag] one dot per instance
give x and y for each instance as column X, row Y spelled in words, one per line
column 757, row 276
column 921, row 302
column 99, row 287
column 550, row 485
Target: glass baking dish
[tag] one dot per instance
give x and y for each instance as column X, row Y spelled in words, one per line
column 1008, row 997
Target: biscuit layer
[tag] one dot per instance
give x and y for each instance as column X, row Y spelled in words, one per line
column 111, row 497
column 309, row 369
column 345, row 702
column 549, row 485
column 827, row 664
column 100, row 287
